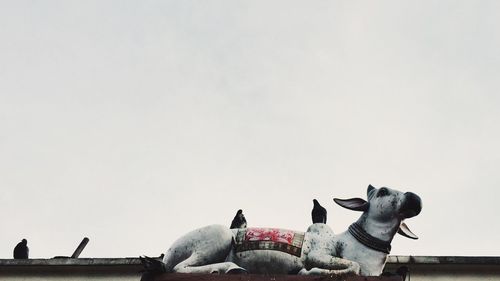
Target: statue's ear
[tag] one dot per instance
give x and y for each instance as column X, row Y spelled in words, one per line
column 369, row 191
column 406, row 232
column 355, row 204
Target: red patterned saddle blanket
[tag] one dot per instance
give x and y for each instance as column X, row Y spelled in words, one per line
column 276, row 239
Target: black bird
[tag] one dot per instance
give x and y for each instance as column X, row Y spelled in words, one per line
column 21, row 251
column 318, row 213
column 239, row 220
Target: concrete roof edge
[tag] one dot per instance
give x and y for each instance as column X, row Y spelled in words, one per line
column 135, row 261
column 71, row 262
column 450, row 260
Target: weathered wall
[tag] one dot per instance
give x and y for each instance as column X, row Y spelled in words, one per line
column 260, row 277
column 425, row 268
column 124, row 269
column 71, row 277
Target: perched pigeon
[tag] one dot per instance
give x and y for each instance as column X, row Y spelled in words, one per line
column 318, row 213
column 21, row 251
column 239, row 220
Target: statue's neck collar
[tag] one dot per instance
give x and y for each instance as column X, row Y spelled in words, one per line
column 369, row 241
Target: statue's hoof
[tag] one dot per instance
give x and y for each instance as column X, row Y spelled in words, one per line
column 303, row 271
column 236, row 270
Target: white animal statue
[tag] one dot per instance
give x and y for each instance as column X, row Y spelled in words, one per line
column 362, row 249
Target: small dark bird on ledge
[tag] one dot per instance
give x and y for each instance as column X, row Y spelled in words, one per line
column 21, row 251
column 318, row 213
column 239, row 220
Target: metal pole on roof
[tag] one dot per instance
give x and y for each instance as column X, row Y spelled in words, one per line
column 80, row 248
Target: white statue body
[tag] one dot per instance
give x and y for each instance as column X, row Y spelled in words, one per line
column 362, row 249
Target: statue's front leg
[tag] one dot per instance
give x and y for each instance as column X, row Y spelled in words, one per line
column 321, row 263
column 322, row 271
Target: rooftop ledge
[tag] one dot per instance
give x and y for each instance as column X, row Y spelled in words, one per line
column 131, row 269
column 71, row 262
column 135, row 262
column 444, row 260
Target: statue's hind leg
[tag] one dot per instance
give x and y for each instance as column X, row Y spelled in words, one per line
column 203, row 250
column 194, row 264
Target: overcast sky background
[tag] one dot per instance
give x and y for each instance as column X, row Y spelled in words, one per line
column 134, row 122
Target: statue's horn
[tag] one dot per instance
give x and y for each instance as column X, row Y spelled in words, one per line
column 406, row 232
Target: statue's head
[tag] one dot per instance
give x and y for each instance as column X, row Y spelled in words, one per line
column 386, row 205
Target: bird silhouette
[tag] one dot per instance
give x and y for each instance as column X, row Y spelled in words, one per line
column 21, row 251
column 318, row 213
column 239, row 220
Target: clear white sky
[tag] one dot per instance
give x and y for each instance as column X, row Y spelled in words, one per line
column 133, row 122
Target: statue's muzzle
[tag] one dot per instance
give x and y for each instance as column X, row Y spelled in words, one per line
column 412, row 205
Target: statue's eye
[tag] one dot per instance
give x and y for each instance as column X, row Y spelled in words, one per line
column 383, row 192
